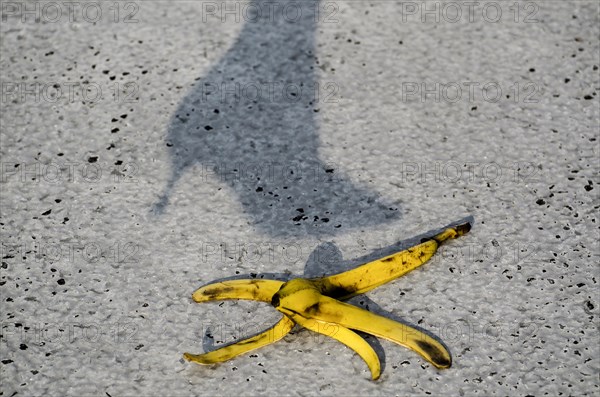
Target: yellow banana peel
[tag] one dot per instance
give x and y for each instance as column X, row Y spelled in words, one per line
column 315, row 304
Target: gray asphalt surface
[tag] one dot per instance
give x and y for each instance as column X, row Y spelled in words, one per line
column 149, row 148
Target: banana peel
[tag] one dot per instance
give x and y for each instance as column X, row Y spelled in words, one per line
column 315, row 304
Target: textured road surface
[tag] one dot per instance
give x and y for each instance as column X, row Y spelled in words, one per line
column 151, row 147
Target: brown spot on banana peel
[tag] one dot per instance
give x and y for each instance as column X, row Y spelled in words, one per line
column 250, row 289
column 313, row 309
column 211, row 294
column 437, row 357
column 336, row 291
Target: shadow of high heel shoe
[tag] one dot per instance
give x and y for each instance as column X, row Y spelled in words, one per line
column 251, row 124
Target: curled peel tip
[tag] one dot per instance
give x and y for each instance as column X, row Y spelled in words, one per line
column 451, row 233
column 198, row 296
column 444, row 364
column 463, row 229
column 197, row 358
